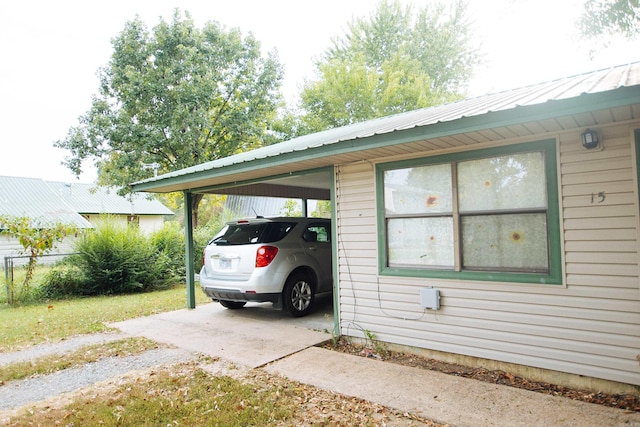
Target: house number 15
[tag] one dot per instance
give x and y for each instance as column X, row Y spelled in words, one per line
column 598, row 198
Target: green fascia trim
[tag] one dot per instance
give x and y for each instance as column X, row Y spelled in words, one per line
column 554, row 108
column 334, row 255
column 553, row 217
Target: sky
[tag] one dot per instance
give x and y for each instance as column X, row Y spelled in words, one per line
column 51, row 52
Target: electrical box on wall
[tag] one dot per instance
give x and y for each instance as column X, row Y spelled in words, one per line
column 430, row 298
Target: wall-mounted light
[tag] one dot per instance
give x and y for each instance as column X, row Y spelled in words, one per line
column 590, row 139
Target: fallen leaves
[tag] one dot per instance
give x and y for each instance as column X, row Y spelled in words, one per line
column 623, row 401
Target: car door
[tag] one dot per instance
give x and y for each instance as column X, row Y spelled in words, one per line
column 317, row 243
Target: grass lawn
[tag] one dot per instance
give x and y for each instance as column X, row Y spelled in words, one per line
column 179, row 394
column 32, row 324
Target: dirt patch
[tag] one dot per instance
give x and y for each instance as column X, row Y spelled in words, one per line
column 623, row 401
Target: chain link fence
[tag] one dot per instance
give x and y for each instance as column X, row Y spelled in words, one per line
column 11, row 262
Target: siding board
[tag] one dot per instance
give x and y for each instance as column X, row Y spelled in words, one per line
column 617, row 168
column 603, row 247
column 606, row 257
column 604, row 235
column 588, row 189
column 590, row 223
column 630, row 282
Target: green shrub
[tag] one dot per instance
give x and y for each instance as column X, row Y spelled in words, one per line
column 62, row 281
column 118, row 259
column 169, row 240
column 202, row 236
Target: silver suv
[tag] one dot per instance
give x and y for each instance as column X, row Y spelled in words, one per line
column 286, row 261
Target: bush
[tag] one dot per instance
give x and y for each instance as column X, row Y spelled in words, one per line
column 117, row 259
column 202, row 236
column 62, row 281
column 169, row 240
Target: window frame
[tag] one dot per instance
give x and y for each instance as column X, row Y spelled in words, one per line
column 554, row 276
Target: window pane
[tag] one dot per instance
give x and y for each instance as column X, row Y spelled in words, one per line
column 510, row 182
column 421, row 242
column 505, row 242
column 425, row 189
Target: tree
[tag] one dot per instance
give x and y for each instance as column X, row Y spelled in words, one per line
column 390, row 63
column 609, row 17
column 178, row 97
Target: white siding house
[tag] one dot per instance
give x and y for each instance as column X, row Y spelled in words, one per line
column 94, row 202
column 530, row 238
column 81, row 205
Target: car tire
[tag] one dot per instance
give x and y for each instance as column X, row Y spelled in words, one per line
column 298, row 295
column 232, row 305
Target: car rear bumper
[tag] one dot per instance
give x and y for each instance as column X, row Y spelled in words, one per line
column 218, row 294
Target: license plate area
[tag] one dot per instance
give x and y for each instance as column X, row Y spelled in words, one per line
column 225, row 264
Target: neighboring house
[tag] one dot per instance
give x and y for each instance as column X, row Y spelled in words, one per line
column 93, row 202
column 503, row 206
column 34, row 198
column 80, row 205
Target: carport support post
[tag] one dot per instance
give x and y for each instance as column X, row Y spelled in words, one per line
column 188, row 240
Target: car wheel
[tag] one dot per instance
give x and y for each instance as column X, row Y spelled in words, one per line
column 232, row 305
column 298, row 295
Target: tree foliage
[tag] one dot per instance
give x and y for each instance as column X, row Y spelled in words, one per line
column 36, row 239
column 177, row 96
column 609, row 17
column 394, row 61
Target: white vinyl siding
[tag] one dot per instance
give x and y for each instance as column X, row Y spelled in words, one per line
column 147, row 223
column 590, row 325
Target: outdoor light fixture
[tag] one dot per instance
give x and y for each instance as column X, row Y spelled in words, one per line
column 590, row 139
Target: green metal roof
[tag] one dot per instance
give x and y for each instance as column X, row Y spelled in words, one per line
column 33, row 198
column 50, row 202
column 571, row 96
column 92, row 199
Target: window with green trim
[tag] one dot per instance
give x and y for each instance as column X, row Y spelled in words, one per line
column 487, row 214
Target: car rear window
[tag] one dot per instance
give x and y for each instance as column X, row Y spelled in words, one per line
column 246, row 234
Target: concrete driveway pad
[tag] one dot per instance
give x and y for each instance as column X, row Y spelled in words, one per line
column 461, row 402
column 239, row 336
column 260, row 337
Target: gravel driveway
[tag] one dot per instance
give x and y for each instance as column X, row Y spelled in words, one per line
column 31, row 390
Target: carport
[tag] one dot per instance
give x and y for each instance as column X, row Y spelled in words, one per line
column 301, row 168
column 285, row 170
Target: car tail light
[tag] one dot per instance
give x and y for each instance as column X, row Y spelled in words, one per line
column 265, row 255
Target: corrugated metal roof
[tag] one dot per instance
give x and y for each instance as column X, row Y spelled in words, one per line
column 50, row 202
column 91, row 199
column 33, row 198
column 600, row 81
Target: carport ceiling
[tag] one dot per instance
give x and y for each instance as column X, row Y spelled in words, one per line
column 312, row 185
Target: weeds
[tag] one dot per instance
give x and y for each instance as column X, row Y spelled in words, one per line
column 378, row 346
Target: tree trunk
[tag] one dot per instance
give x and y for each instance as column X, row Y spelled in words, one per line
column 195, row 202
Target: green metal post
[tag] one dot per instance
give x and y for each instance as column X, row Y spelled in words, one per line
column 188, row 239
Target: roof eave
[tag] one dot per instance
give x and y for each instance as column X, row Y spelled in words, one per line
column 177, row 181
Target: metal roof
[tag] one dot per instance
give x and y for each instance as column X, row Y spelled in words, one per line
column 92, row 199
column 50, row 202
column 33, row 198
column 495, row 114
